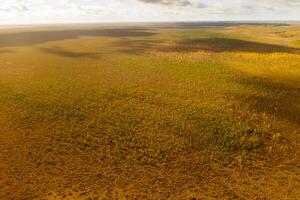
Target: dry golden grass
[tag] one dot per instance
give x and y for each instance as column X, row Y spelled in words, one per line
column 149, row 113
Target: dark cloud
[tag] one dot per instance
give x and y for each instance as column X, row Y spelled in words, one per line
column 200, row 5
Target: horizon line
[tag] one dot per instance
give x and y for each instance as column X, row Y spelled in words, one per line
column 152, row 22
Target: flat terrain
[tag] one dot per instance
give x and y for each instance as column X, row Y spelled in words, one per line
column 150, row 112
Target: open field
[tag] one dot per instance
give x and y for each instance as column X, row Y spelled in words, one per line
column 150, row 112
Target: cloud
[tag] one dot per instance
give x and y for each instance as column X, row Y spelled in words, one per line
column 91, row 10
column 45, row 11
column 277, row 3
column 168, row 2
column 177, row 3
column 288, row 2
column 13, row 8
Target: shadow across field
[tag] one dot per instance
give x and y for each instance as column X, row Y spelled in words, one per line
column 279, row 100
column 134, row 46
column 64, row 53
column 37, row 37
column 227, row 45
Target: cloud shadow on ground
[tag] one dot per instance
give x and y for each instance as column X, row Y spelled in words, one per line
column 227, row 45
column 277, row 99
column 64, row 53
column 38, row 37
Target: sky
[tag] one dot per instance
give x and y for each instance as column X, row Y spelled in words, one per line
column 94, row 11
